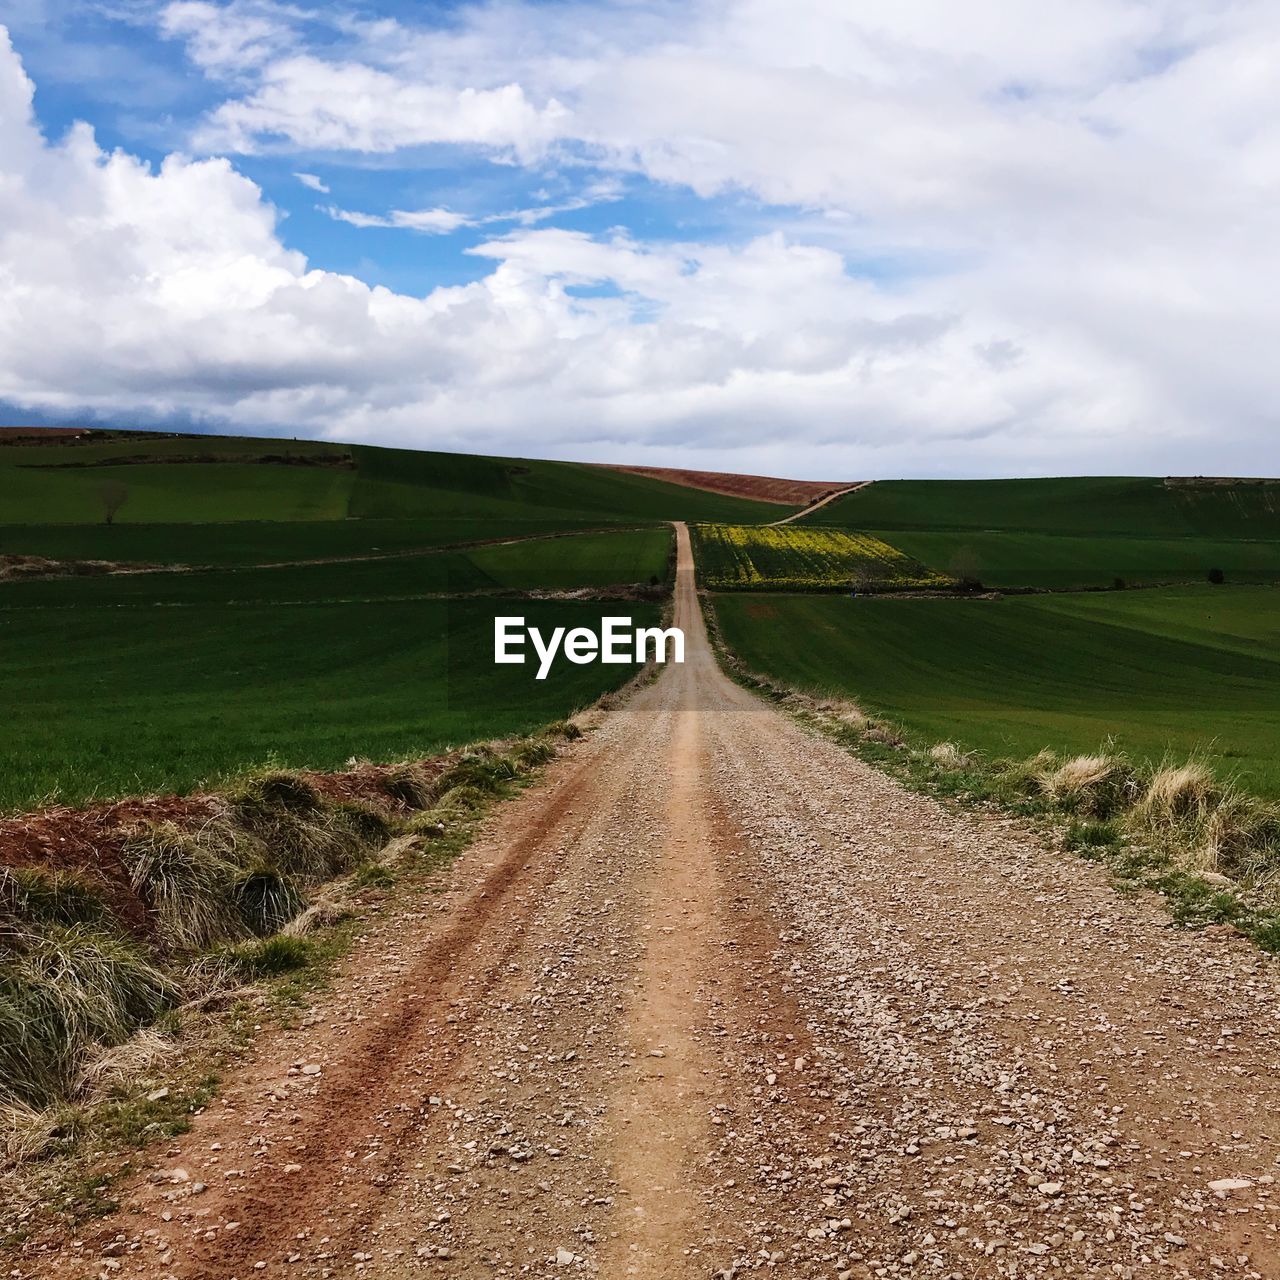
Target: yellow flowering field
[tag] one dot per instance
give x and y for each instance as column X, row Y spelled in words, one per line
column 739, row 557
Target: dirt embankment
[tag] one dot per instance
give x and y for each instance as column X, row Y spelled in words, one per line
column 715, row 998
column 90, row 840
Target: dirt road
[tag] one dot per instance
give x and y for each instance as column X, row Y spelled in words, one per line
column 821, row 502
column 716, row 997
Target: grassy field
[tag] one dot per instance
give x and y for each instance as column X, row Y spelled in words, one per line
column 161, row 681
column 1181, row 670
column 1006, row 559
column 791, row 558
column 623, row 557
column 253, row 542
column 1072, row 505
column 103, row 700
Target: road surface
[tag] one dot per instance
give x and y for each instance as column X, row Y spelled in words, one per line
column 715, row 998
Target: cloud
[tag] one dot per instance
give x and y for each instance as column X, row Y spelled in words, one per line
column 432, row 221
column 320, row 105
column 223, row 39
column 441, row 221
column 310, row 180
column 1077, row 204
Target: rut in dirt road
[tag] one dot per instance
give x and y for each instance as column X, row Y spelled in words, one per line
column 717, row 997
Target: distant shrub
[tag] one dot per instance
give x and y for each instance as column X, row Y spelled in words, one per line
column 1217, row 577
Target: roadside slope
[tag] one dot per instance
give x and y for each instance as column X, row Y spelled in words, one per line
column 717, row 996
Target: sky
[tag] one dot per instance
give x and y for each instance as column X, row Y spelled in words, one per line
column 831, row 239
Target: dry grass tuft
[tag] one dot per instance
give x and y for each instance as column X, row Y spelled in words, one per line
column 881, row 731
column 187, row 881
column 1096, row 786
column 324, row 911
column 25, row 1132
column 117, row 1065
column 409, row 785
column 1178, row 793
column 949, row 757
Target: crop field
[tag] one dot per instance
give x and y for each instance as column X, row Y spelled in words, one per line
column 1090, row 505
column 1007, row 559
column 256, row 542
column 107, row 701
column 1181, row 670
column 795, row 558
column 327, row 615
column 594, row 560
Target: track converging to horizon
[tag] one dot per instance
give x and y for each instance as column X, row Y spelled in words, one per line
column 715, row 997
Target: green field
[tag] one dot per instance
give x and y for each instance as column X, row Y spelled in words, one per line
column 595, row 560
column 253, row 542
column 332, row 618
column 1183, row 670
column 794, row 558
column 1090, row 505
column 1074, row 531
column 104, row 700
column 1047, row 560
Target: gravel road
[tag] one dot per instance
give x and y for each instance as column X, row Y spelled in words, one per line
column 715, row 997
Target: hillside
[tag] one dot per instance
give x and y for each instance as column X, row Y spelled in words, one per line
column 208, row 499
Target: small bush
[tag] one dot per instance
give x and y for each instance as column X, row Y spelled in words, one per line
column 271, row 791
column 565, row 729
column 365, row 823
column 532, row 752
column 465, row 799
column 1020, row 779
column 1217, row 577
column 481, row 772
